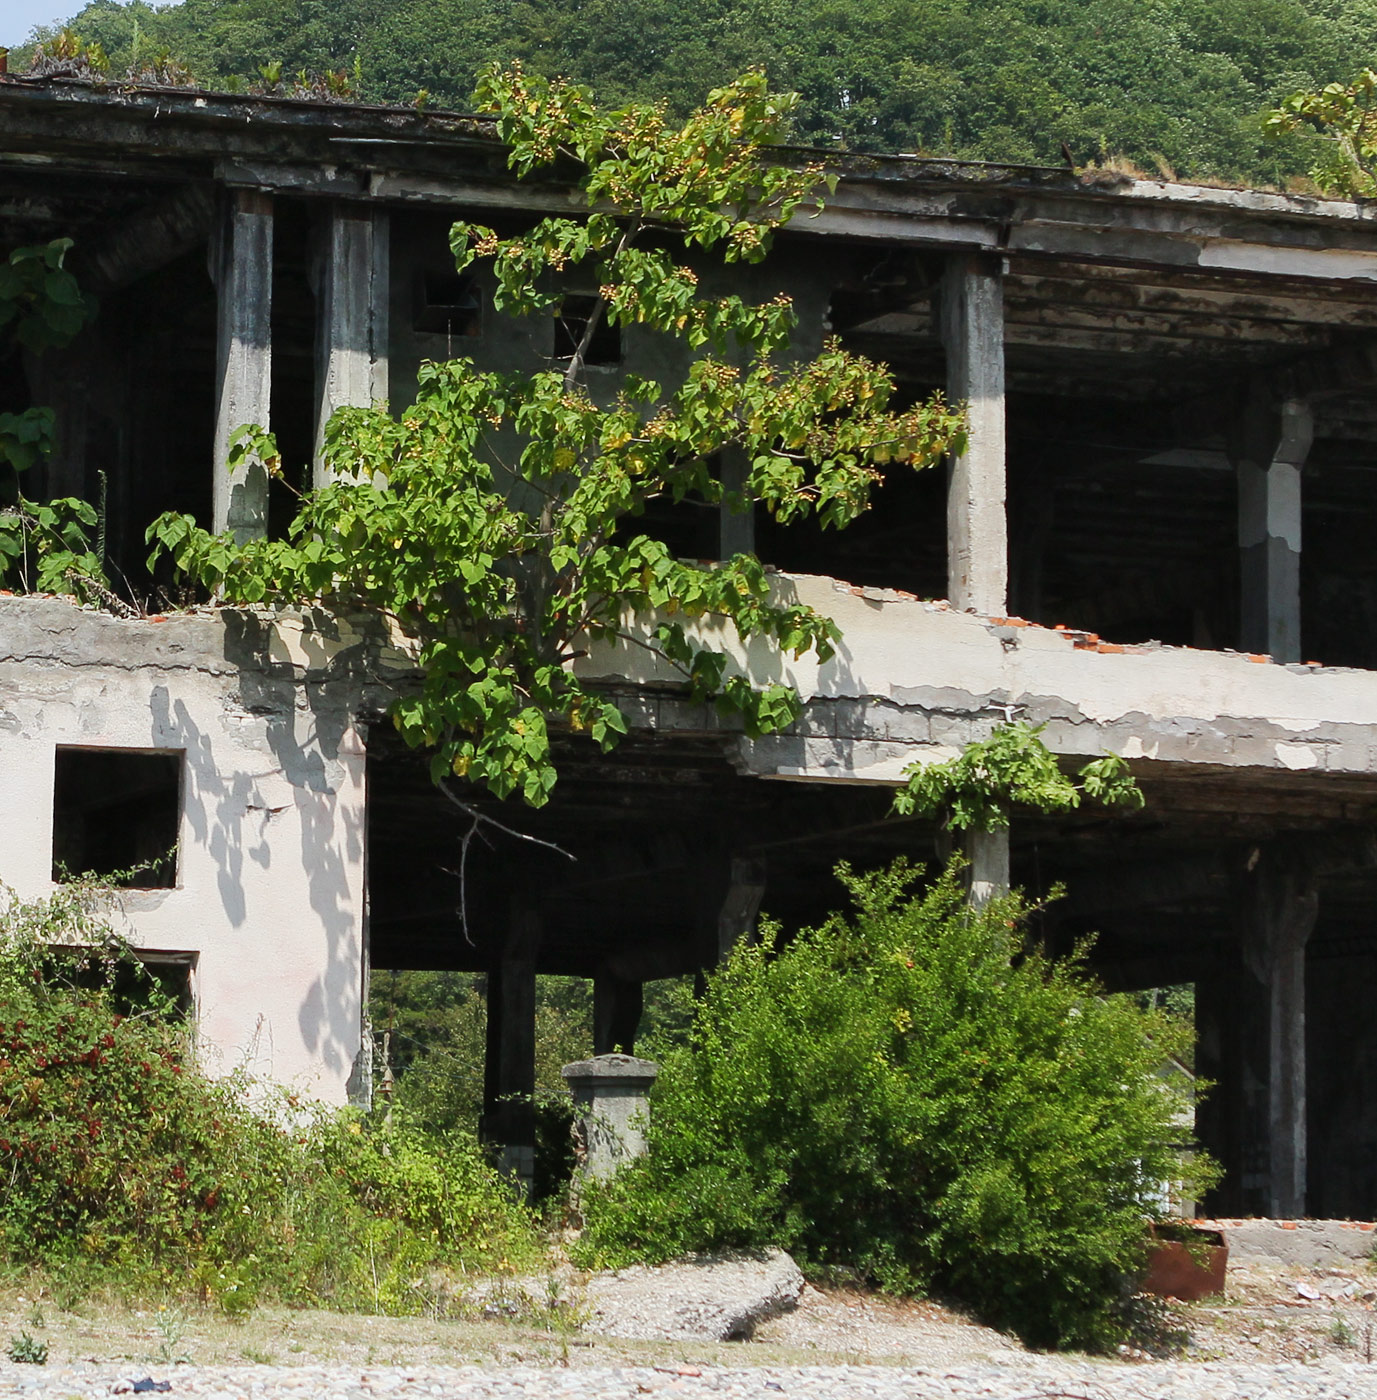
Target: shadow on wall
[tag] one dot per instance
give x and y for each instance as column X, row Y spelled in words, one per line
column 288, row 754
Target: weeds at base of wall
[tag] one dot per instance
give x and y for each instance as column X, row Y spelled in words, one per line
column 131, row 1173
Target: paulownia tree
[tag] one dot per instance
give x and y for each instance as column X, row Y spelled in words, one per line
column 1344, row 116
column 493, row 520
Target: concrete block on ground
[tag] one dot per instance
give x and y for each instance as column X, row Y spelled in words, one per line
column 712, row 1297
column 1311, row 1243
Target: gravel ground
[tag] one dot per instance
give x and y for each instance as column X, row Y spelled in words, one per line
column 1280, row 1333
column 1031, row 1378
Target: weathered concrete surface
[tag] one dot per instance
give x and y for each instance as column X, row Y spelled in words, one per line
column 1312, row 1243
column 917, row 680
column 977, row 529
column 243, row 265
column 269, row 891
column 719, row 1297
column 612, row 1110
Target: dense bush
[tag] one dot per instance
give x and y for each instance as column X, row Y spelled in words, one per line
column 913, row 1094
column 123, row 1163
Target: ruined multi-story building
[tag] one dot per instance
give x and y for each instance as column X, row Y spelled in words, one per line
column 1172, row 476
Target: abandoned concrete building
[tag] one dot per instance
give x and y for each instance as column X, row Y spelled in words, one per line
column 1172, row 476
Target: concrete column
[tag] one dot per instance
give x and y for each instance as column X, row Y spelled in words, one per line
column 972, row 319
column 988, row 872
column 738, row 905
column 351, row 282
column 1275, row 914
column 617, row 1006
column 611, row 1110
column 737, row 528
column 242, row 266
column 509, row 1068
column 1269, row 451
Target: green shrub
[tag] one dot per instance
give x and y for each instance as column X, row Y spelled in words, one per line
column 125, row 1164
column 913, row 1094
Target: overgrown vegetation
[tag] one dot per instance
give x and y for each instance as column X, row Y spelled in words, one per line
column 913, row 1094
column 50, row 546
column 1169, row 84
column 1343, row 117
column 126, row 1166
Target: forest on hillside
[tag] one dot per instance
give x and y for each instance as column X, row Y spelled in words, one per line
column 1174, row 86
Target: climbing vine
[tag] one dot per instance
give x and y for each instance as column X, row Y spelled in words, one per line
column 494, row 521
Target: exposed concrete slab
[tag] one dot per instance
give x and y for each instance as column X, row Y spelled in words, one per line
column 1312, row 1243
column 721, row 1297
column 918, row 680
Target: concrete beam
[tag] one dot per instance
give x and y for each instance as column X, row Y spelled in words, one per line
column 977, row 533
column 1269, row 449
column 242, row 267
column 351, row 282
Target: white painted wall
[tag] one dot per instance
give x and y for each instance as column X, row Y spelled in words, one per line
column 270, row 882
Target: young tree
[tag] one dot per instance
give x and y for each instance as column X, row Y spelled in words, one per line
column 492, row 521
column 1344, row 115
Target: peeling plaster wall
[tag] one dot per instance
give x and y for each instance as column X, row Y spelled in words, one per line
column 270, row 883
column 917, row 680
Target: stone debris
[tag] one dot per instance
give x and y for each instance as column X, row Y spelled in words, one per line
column 1029, row 1378
column 715, row 1297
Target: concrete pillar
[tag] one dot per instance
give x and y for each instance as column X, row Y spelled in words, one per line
column 972, row 320
column 737, row 528
column 351, row 283
column 611, row 1110
column 1275, row 914
column 617, row 1006
column 242, row 267
column 1269, row 449
column 509, row 1068
column 988, row 872
column 735, row 902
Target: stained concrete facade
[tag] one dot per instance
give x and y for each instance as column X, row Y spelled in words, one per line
column 1164, row 512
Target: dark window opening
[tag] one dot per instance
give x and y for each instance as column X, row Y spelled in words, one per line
column 1121, row 525
column 605, row 347
column 140, row 981
column 115, row 816
column 447, row 304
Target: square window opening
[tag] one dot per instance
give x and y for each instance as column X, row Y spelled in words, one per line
column 447, row 304
column 605, row 347
column 115, row 816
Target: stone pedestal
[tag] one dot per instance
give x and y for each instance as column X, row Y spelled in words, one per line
column 611, row 1110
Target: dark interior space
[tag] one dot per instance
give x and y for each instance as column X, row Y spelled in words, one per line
column 294, row 361
column 159, row 337
column 115, row 816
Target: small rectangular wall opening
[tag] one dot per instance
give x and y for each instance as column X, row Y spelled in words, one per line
column 115, row 816
column 605, row 346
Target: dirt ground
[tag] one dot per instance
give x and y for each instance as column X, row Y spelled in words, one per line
column 1269, row 1313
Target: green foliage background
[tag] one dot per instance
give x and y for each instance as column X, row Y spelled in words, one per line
column 913, row 1094
column 1182, row 82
